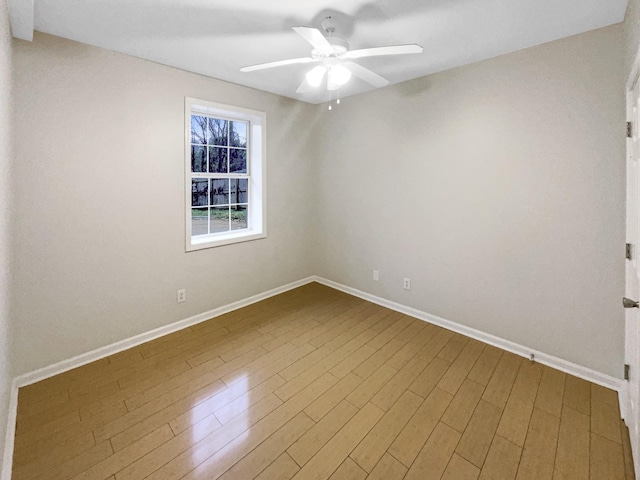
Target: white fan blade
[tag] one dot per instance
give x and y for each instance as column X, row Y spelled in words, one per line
column 314, row 37
column 391, row 50
column 279, row 63
column 366, row 75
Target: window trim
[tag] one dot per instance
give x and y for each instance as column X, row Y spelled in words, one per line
column 256, row 166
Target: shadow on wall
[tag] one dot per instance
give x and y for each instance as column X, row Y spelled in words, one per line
column 413, row 88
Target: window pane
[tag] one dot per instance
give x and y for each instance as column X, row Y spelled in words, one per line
column 218, row 159
column 219, row 219
column 238, row 161
column 239, row 188
column 220, row 191
column 199, row 191
column 199, row 221
column 238, row 217
column 198, row 129
column 238, row 134
column 217, row 131
column 198, row 159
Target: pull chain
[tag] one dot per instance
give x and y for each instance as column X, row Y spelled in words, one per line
column 331, row 99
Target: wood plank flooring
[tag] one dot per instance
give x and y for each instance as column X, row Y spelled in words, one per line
column 317, row 384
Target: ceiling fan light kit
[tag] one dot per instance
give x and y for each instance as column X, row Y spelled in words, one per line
column 315, row 75
column 334, row 58
column 337, row 76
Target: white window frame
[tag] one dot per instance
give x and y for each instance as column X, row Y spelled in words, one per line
column 256, row 167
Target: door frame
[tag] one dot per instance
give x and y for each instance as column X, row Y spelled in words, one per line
column 625, row 401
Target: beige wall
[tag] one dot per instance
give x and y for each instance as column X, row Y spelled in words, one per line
column 498, row 188
column 100, row 200
column 5, row 201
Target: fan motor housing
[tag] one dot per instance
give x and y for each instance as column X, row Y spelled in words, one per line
column 339, row 45
column 339, row 48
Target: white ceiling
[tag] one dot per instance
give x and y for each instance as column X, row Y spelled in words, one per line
column 217, row 37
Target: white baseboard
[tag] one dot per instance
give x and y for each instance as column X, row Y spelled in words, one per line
column 540, row 357
column 83, row 359
column 102, row 352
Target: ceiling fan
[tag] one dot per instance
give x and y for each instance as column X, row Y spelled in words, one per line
column 334, row 59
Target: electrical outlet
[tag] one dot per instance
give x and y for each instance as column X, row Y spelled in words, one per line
column 406, row 283
column 376, row 275
column 182, row 295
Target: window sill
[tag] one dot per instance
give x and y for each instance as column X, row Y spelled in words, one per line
column 218, row 240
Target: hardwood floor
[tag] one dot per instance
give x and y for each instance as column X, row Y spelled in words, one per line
column 316, row 384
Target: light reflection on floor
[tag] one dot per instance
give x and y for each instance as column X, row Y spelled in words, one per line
column 230, row 405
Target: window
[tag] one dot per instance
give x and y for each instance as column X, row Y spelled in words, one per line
column 225, row 172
